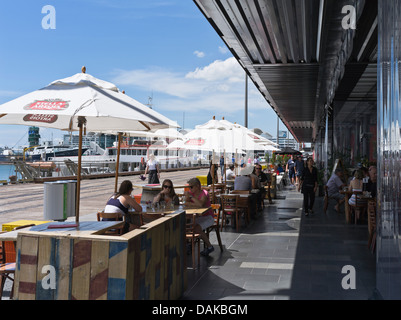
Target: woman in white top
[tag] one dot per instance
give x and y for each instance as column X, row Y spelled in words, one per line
column 356, row 185
column 152, row 167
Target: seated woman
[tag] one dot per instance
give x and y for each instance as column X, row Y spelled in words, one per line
column 356, row 185
column 121, row 202
column 167, row 194
column 198, row 198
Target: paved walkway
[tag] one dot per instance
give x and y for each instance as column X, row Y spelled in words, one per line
column 283, row 255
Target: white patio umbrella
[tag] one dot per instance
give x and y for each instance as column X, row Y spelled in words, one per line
column 169, row 133
column 82, row 102
column 244, row 130
column 211, row 136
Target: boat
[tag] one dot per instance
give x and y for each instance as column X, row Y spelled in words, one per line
column 48, row 150
column 8, row 155
column 133, row 157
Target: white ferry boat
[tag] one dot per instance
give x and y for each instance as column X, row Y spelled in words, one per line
column 48, row 150
column 133, row 157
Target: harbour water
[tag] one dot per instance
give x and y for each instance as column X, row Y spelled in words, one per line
column 6, row 170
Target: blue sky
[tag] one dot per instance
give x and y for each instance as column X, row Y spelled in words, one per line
column 160, row 48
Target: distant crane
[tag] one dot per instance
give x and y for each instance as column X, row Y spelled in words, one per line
column 150, row 100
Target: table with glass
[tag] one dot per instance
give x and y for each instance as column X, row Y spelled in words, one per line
column 150, row 191
column 348, row 194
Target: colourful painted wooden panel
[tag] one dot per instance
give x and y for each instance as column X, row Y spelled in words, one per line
column 146, row 264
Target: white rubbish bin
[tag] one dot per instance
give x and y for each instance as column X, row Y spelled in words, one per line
column 59, row 200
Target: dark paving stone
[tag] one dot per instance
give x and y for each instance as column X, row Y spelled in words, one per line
column 323, row 245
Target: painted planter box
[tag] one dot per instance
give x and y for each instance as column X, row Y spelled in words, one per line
column 148, row 263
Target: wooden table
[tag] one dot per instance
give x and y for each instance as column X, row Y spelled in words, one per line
column 150, row 214
column 348, row 195
column 85, row 228
column 190, row 210
column 150, row 191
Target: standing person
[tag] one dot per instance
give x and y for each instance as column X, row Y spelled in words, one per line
column 153, row 168
column 198, row 198
column 121, row 202
column 291, row 170
column 299, row 168
column 222, row 167
column 309, row 186
column 242, row 161
column 167, row 194
column 209, row 175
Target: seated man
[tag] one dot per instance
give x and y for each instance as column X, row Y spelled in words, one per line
column 372, row 183
column 244, row 182
column 230, row 175
column 334, row 185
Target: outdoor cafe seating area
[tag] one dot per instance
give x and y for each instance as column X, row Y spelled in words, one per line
column 95, row 259
column 362, row 211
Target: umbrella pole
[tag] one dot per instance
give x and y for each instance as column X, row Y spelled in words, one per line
column 81, row 121
column 118, row 161
column 224, row 172
column 213, row 177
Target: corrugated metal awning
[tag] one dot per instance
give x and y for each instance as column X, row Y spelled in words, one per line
column 298, row 54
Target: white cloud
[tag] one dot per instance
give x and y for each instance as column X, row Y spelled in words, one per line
column 199, row 54
column 223, row 50
column 218, row 88
column 218, row 70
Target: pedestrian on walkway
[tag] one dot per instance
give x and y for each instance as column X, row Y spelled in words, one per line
column 152, row 167
column 222, row 167
column 309, row 186
column 299, row 168
column 290, row 168
column 212, row 170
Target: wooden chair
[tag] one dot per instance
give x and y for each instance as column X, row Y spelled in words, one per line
column 149, row 217
column 372, row 225
column 359, row 207
column 216, row 226
column 7, row 264
column 219, row 188
column 191, row 237
column 111, row 217
column 240, row 192
column 229, row 208
column 243, row 204
column 6, row 270
column 1, row 250
column 327, row 199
